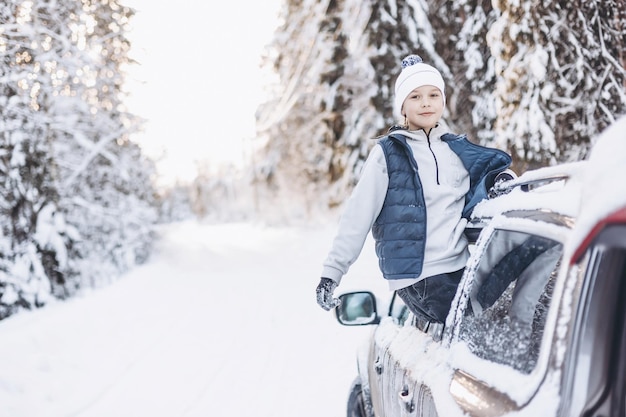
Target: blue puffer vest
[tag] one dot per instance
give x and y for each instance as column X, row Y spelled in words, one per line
column 400, row 228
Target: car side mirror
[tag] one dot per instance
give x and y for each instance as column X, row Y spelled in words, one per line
column 357, row 309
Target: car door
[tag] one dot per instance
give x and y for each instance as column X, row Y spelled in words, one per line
column 497, row 319
column 383, row 368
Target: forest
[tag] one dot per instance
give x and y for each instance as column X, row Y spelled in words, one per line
column 77, row 204
column 539, row 79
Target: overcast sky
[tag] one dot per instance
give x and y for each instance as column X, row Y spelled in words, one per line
column 199, row 80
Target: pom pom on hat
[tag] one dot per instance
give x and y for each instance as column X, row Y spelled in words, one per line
column 411, row 60
column 415, row 73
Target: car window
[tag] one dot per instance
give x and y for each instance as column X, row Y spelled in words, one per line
column 509, row 298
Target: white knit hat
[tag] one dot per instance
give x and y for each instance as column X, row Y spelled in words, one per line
column 415, row 73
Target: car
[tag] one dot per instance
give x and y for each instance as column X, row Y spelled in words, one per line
column 538, row 323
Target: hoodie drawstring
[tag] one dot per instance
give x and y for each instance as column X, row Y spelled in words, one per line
column 434, row 157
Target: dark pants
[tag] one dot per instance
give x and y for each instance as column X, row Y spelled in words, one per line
column 430, row 298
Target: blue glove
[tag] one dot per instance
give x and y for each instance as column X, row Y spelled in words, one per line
column 324, row 291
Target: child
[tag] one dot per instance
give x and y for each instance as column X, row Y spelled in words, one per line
column 417, row 189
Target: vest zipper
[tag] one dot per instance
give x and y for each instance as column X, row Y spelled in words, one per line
column 434, row 157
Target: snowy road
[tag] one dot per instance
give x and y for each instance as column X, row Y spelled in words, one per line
column 221, row 322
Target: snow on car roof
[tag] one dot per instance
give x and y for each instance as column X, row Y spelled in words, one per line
column 561, row 196
column 604, row 187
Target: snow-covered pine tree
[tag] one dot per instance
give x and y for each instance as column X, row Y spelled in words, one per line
column 335, row 96
column 349, row 120
column 461, row 33
column 60, row 118
column 105, row 181
column 33, row 249
column 560, row 79
column 301, row 120
column 538, row 79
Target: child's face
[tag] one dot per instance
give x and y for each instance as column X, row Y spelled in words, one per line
column 423, row 107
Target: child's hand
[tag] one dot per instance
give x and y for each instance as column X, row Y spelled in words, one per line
column 324, row 291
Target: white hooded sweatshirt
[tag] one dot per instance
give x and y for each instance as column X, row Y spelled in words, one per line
column 445, row 182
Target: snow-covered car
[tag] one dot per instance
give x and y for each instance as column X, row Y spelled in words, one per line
column 538, row 324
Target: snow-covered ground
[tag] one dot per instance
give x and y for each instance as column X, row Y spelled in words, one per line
column 221, row 322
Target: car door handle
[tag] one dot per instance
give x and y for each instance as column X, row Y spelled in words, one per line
column 378, row 366
column 407, row 399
